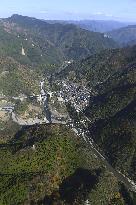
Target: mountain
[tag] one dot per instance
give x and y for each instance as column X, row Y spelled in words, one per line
column 50, row 43
column 101, row 26
column 98, row 68
column 16, row 79
column 49, row 164
column 113, row 116
column 30, row 47
column 124, row 36
column 26, row 46
column 111, row 79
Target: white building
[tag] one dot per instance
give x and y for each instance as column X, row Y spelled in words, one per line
column 23, row 51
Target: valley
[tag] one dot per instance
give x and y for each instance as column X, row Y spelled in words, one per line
column 67, row 115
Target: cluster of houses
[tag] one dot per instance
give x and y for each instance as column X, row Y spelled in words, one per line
column 77, row 95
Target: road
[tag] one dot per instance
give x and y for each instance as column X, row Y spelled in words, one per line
column 91, row 145
column 49, row 119
column 47, row 110
column 23, row 122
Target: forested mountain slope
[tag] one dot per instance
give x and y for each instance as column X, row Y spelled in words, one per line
column 51, row 42
column 101, row 26
column 99, row 67
column 124, row 36
column 113, row 116
column 16, row 79
column 49, row 164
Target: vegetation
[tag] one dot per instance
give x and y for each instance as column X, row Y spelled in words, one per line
column 124, row 36
column 21, row 107
column 96, row 69
column 7, row 130
column 101, row 26
column 45, row 47
column 49, row 164
column 111, row 75
column 16, row 79
column 112, row 113
column 56, row 42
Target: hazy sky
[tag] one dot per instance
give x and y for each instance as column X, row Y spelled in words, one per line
column 124, row 10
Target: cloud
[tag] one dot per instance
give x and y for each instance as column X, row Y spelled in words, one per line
column 98, row 13
column 44, row 12
column 102, row 14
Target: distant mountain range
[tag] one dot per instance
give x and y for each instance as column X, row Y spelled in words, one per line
column 49, row 163
column 52, row 43
column 124, row 33
column 32, row 44
column 124, row 36
column 101, row 26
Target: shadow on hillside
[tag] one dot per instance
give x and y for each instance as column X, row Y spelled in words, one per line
column 26, row 137
column 78, row 185
column 74, row 189
column 12, row 143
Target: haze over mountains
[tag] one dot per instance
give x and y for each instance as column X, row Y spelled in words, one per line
column 124, row 36
column 67, row 112
column 95, row 25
